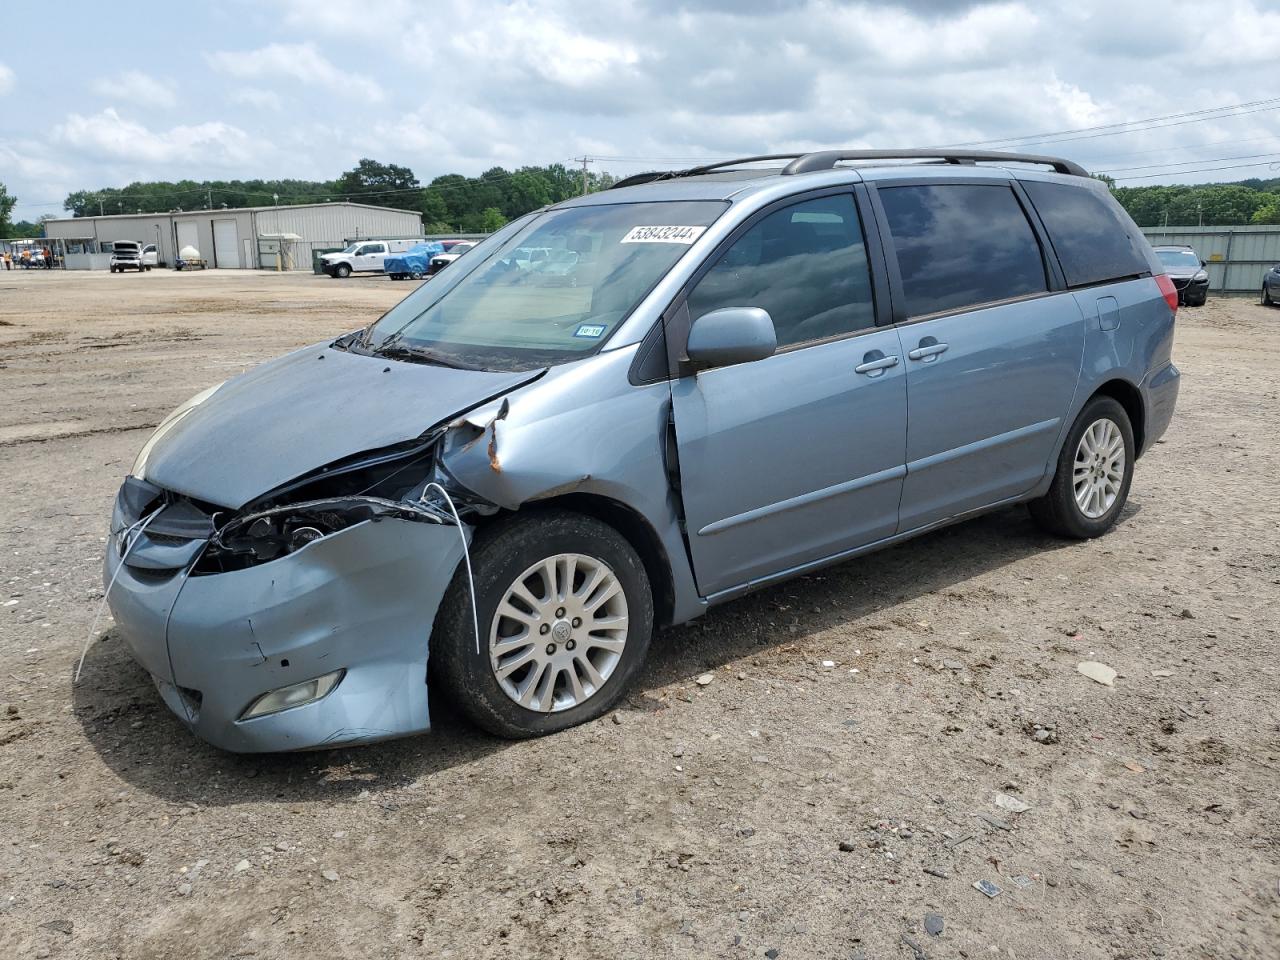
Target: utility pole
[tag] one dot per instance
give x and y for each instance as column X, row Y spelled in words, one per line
column 209, row 196
column 100, row 213
column 584, row 161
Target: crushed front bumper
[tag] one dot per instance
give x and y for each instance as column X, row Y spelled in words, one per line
column 362, row 600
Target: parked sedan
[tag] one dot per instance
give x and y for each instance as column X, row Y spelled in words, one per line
column 453, row 250
column 1271, row 287
column 509, row 484
column 1188, row 273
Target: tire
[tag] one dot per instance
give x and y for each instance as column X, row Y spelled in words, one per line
column 416, row 275
column 1058, row 511
column 342, row 271
column 1266, row 297
column 505, row 554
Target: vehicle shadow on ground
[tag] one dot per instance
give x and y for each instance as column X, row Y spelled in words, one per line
column 134, row 734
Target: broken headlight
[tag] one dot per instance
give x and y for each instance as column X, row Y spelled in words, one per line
column 270, row 534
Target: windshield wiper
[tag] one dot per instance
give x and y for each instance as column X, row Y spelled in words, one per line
column 404, row 351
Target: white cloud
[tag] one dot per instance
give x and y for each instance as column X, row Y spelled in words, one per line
column 111, row 136
column 297, row 61
column 641, row 84
column 257, row 98
column 135, row 87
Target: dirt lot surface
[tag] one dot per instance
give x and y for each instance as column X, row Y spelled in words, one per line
column 834, row 784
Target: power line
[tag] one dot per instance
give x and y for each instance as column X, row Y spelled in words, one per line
column 1185, row 163
column 1273, row 102
column 1189, row 146
column 1239, row 166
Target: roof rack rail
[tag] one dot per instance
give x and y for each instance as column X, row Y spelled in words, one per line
column 826, row 159
column 707, row 168
column 650, row 177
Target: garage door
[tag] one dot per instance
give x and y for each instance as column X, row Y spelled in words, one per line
column 226, row 245
column 188, row 236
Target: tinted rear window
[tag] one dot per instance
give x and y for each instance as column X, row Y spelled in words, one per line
column 960, row 245
column 1094, row 241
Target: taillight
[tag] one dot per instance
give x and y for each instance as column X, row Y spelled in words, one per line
column 1169, row 290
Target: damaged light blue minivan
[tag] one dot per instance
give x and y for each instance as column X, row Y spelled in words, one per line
column 732, row 375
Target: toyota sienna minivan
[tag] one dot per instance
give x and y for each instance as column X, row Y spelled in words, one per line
column 748, row 371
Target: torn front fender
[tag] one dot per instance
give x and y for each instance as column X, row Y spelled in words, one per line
column 547, row 441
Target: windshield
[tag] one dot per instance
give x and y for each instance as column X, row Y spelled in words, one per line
column 1178, row 258
column 507, row 311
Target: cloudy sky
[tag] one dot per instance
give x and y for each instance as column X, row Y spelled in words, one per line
column 289, row 88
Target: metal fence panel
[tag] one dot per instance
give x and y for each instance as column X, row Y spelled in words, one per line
column 1237, row 257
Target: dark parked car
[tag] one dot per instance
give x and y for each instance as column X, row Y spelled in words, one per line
column 742, row 374
column 1186, row 270
column 1271, row 287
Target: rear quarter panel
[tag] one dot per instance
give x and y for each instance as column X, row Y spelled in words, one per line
column 1138, row 350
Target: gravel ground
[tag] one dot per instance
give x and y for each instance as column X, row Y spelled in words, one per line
column 838, row 780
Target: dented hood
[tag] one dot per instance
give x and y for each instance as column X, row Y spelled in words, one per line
column 303, row 411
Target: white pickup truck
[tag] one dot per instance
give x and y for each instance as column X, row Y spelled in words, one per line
column 363, row 256
column 131, row 255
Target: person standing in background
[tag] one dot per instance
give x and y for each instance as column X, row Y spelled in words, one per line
column 8, row 260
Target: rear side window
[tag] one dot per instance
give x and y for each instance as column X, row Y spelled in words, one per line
column 960, row 245
column 805, row 264
column 1092, row 239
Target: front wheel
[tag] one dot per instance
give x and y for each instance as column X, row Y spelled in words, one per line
column 1266, row 297
column 566, row 615
column 1094, row 472
column 342, row 271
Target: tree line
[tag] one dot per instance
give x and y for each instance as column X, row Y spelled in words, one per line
column 455, row 203
column 448, row 204
column 1210, row 204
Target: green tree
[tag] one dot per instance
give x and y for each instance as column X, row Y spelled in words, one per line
column 491, row 219
column 369, row 179
column 7, row 202
column 1268, row 212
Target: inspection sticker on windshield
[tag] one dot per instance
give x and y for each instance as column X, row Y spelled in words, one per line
column 591, row 331
column 685, row 235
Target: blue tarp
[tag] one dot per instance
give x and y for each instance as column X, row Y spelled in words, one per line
column 413, row 260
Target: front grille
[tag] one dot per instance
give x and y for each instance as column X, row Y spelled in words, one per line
column 1180, row 283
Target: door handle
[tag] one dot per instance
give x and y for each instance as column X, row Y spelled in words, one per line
column 928, row 350
column 876, row 367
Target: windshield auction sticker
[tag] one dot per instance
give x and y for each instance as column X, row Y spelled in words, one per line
column 685, row 235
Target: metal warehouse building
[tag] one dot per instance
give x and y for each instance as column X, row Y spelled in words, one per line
column 238, row 238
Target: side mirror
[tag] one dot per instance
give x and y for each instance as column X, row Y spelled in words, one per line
column 731, row 335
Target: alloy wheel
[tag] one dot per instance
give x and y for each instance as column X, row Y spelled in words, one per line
column 558, row 633
column 1098, row 472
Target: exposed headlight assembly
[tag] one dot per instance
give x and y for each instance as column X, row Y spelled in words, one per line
column 1200, row 276
column 270, row 534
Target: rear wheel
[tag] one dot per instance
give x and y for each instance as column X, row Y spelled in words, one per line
column 566, row 614
column 1094, row 472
